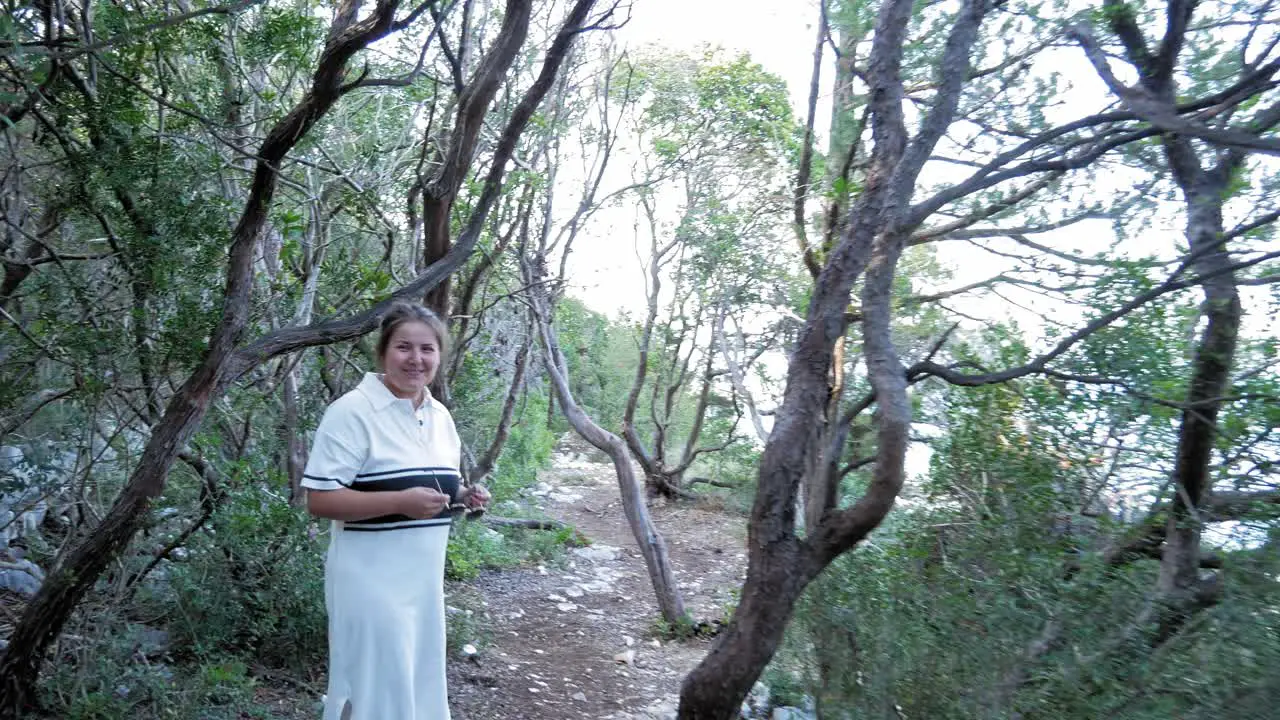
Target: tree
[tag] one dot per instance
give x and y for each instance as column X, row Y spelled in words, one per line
column 881, row 222
column 716, row 135
column 227, row 357
column 1204, row 177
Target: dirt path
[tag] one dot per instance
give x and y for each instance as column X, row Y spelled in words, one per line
column 578, row 641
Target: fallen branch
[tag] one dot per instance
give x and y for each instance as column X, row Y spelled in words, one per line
column 526, row 523
column 577, row 540
column 713, row 483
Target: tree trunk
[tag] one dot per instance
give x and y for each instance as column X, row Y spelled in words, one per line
column 49, row 610
column 716, row 687
column 649, row 540
column 294, row 447
column 736, row 375
column 486, row 464
column 1204, row 190
column 1211, row 368
column 473, row 103
column 779, row 564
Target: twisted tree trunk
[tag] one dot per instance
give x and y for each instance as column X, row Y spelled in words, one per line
column 224, row 362
column 63, row 589
column 780, row 565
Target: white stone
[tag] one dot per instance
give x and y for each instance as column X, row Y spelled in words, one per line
column 598, row 553
column 626, row 657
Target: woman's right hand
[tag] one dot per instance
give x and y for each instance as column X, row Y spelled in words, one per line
column 421, row 503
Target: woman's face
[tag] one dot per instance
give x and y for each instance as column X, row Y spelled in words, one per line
column 411, row 359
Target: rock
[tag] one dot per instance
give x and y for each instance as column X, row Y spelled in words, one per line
column 626, row 657
column 664, row 709
column 598, row 553
column 22, row 577
column 556, row 598
column 655, row 643
column 566, row 607
column 573, row 592
column 628, row 640
column 790, row 713
column 758, row 700
column 10, row 457
column 153, row 643
column 596, row 586
column 580, row 697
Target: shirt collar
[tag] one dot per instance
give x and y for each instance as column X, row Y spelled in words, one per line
column 382, row 398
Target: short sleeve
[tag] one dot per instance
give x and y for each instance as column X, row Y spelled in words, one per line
column 338, row 452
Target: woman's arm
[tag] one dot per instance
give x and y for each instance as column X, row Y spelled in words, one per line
column 353, row 505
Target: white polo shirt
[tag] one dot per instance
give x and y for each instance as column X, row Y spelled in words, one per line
column 371, row 440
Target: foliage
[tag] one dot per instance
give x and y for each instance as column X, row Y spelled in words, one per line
column 128, row 158
column 266, row 561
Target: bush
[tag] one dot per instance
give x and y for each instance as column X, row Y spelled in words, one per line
column 254, row 584
column 474, row 547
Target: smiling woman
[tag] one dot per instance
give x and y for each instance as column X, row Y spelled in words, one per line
column 384, row 468
column 412, row 342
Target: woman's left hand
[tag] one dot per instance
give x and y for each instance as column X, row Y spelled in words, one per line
column 475, row 497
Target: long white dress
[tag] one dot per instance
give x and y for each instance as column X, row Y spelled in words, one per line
column 384, row 577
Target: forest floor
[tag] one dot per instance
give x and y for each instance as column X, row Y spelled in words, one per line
column 580, row 641
column 579, row 638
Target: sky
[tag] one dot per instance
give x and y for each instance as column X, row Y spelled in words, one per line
column 778, row 35
column 607, row 274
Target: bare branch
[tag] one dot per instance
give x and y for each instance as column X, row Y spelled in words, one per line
column 1041, row 362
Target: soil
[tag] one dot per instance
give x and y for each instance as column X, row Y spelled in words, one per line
column 581, row 640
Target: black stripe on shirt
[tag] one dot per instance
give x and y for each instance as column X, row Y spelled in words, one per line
column 430, row 470
column 326, row 479
column 425, row 523
column 448, row 484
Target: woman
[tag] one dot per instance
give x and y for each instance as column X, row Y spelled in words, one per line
column 384, row 468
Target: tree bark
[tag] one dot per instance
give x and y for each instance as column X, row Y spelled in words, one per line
column 486, row 463
column 439, row 195
column 223, row 363
column 736, row 375
column 1204, row 191
column 1211, row 373
column 779, row 564
column 652, row 547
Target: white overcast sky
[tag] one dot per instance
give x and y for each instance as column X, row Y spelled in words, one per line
column 604, row 271
column 778, row 35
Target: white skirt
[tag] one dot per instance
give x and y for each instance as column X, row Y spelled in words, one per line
column 384, row 593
